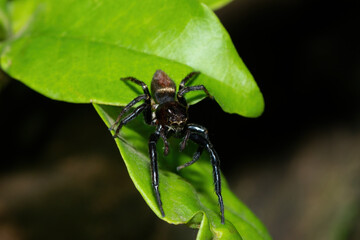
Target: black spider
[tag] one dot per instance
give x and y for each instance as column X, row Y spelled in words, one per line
column 169, row 113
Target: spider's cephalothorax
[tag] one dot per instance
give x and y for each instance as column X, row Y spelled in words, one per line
column 168, row 112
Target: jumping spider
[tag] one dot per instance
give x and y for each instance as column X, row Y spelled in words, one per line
column 170, row 116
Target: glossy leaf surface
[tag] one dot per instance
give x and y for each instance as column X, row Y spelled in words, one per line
column 76, row 50
column 187, row 196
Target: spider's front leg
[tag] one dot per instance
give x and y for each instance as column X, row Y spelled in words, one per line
column 154, row 167
column 199, row 135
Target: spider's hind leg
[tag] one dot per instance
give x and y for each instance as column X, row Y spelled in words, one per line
column 183, row 89
column 126, row 109
column 128, row 118
column 183, row 82
column 145, row 107
column 138, row 82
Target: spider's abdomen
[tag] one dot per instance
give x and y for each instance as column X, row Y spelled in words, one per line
column 162, row 87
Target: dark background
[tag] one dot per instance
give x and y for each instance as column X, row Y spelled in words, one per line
column 297, row 166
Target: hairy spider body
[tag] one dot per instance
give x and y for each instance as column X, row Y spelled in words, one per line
column 168, row 112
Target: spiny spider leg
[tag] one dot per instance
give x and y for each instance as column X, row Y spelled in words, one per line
column 181, row 99
column 180, row 94
column 196, row 157
column 154, row 168
column 147, row 112
column 166, row 143
column 200, row 130
column 184, row 141
column 138, row 82
column 217, row 178
column 130, row 117
column 145, row 108
column 187, row 78
column 199, row 135
column 193, row 128
column 127, row 108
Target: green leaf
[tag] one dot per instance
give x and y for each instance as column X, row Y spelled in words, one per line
column 216, row 4
column 76, row 50
column 4, row 20
column 188, row 197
